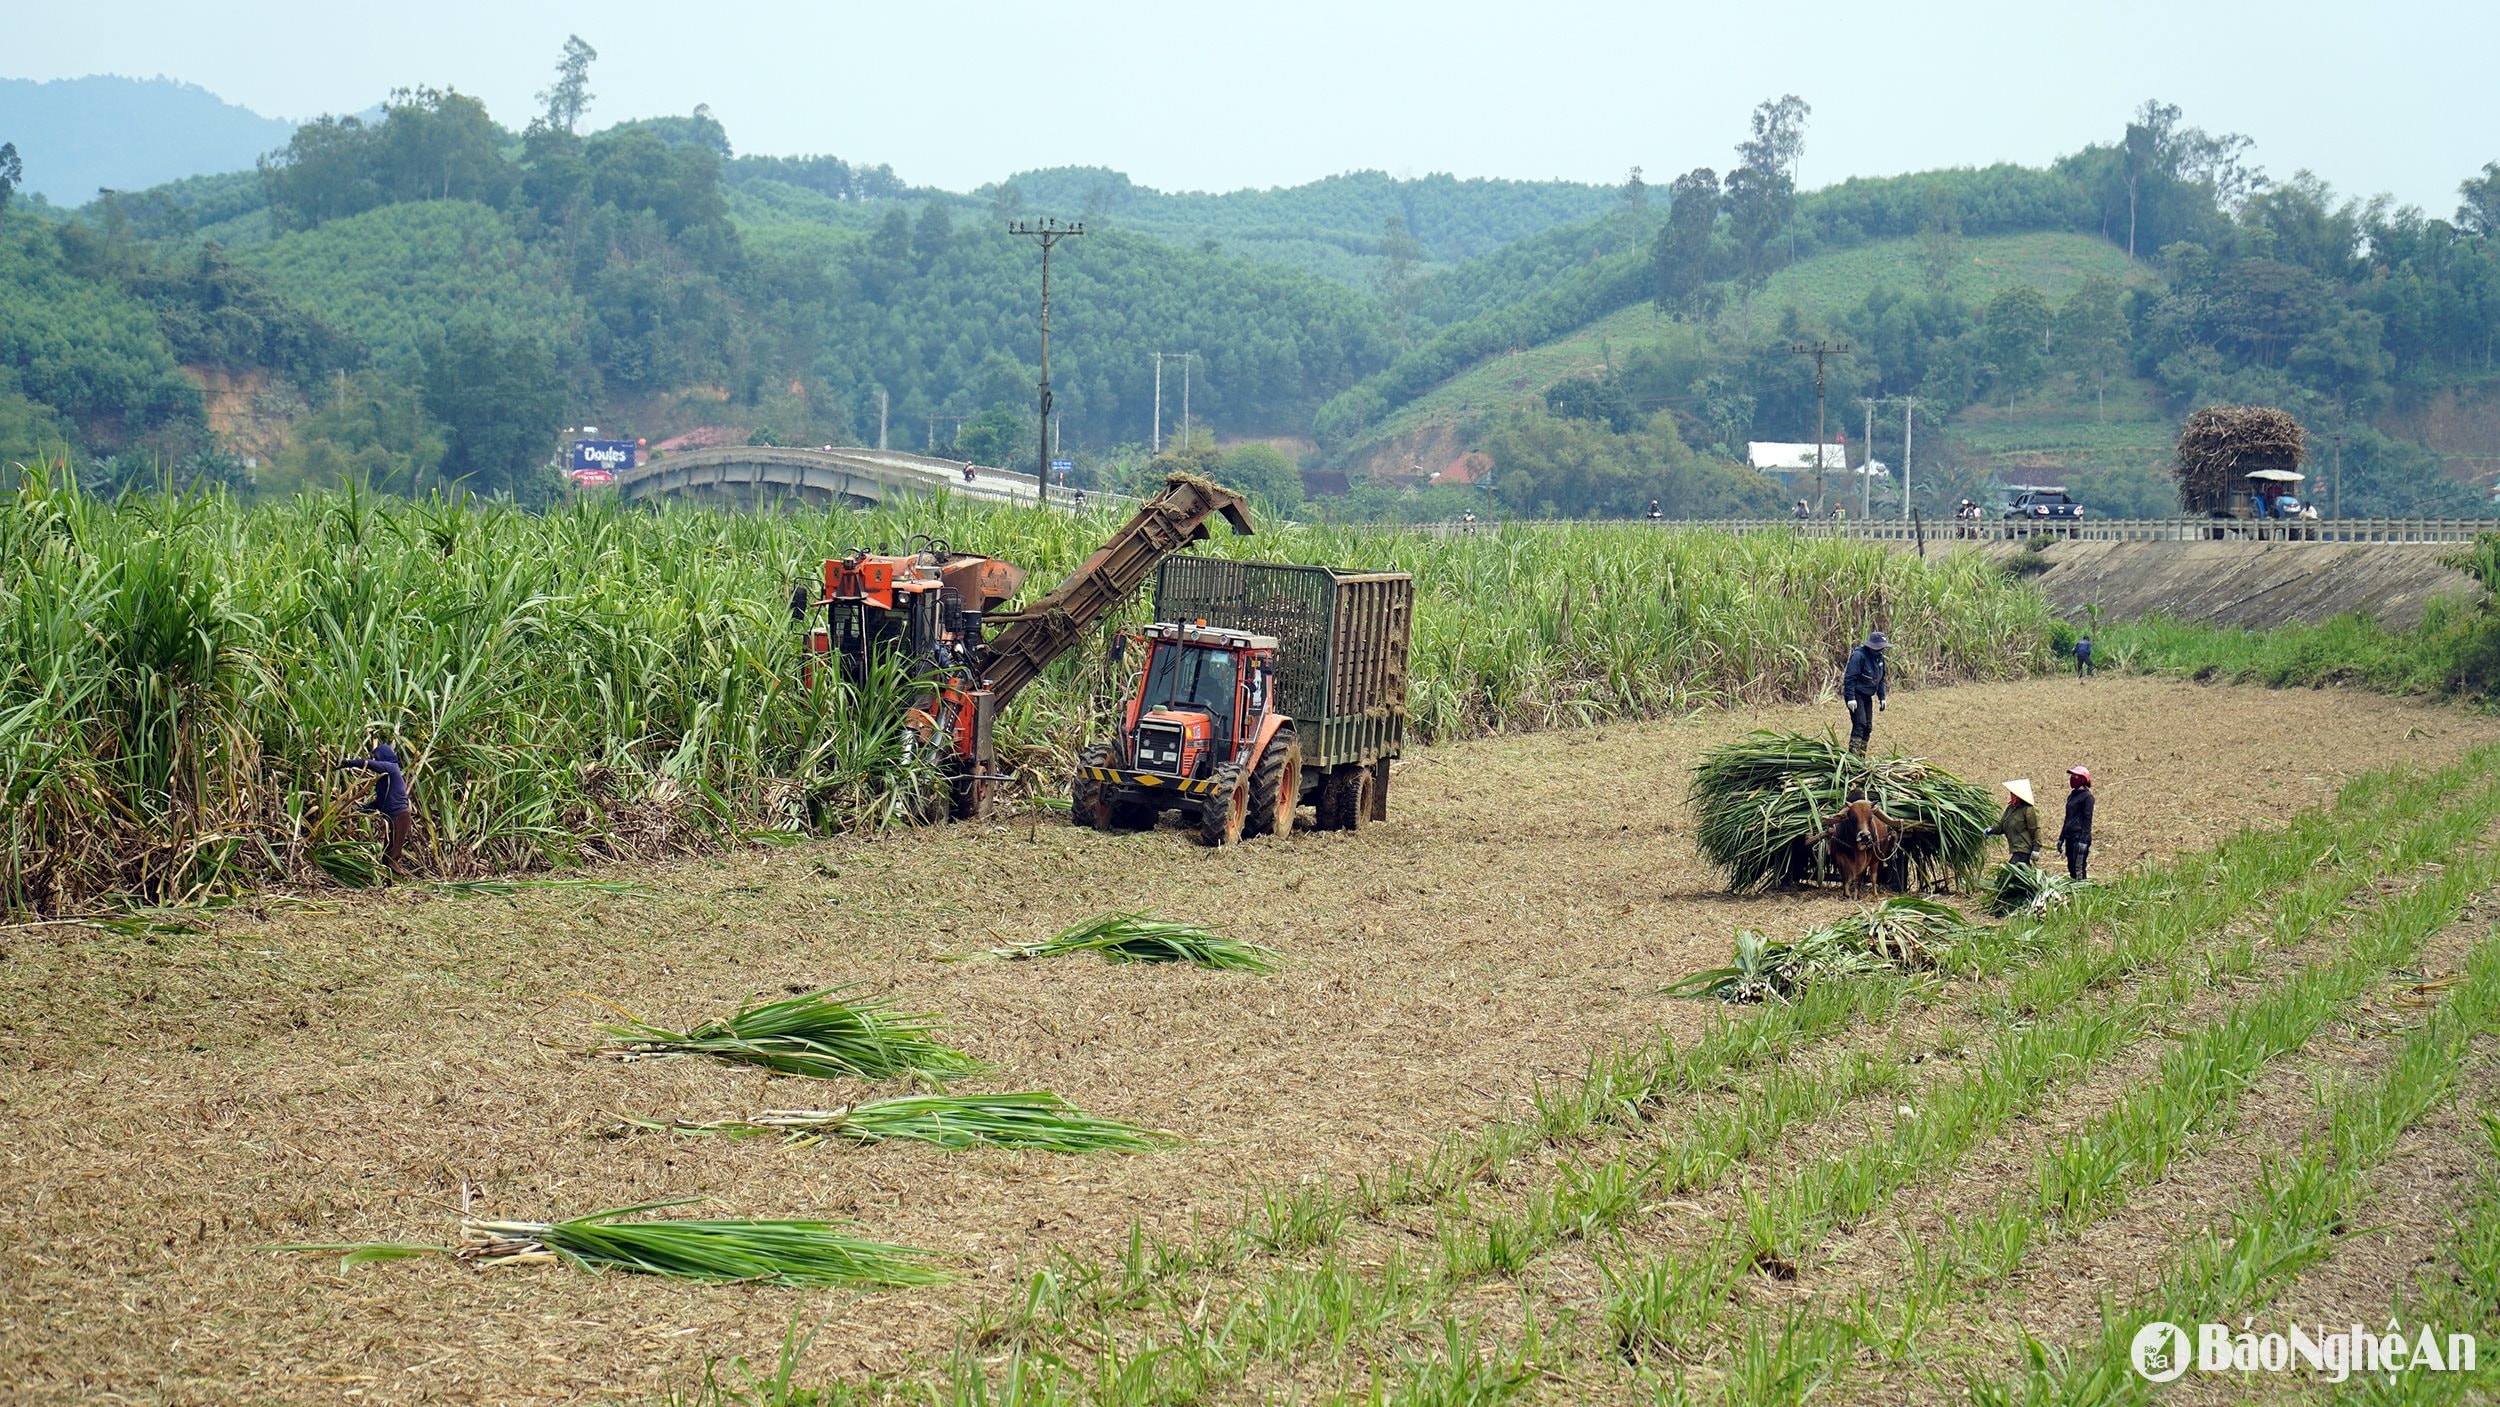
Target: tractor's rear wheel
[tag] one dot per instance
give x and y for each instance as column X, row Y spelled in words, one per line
column 1330, row 803
column 1222, row 817
column 1085, row 805
column 1345, row 798
column 1276, row 788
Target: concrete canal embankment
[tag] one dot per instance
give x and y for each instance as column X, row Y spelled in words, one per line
column 2244, row 583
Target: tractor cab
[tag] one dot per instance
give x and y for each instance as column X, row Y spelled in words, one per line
column 1203, row 691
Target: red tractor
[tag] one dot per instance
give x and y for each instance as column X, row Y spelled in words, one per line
column 1204, row 734
column 1298, row 692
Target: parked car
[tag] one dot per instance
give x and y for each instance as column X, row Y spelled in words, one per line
column 2043, row 505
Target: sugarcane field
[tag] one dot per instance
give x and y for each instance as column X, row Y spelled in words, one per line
column 460, row 953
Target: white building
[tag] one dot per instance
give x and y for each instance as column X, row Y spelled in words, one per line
column 1793, row 464
column 1775, row 457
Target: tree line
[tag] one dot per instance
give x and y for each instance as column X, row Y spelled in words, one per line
column 2251, row 290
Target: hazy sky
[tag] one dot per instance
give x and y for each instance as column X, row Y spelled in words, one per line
column 2399, row 96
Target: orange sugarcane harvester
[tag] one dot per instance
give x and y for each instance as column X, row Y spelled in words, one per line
column 932, row 611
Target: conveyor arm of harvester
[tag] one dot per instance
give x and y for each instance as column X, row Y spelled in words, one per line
column 1050, row 627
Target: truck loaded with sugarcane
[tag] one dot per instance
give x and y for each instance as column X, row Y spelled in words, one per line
column 2240, row 462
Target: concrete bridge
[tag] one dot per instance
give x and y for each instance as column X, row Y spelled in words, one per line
column 755, row 476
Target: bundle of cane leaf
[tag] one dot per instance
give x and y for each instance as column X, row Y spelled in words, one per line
column 2024, row 889
column 813, row 1035
column 1037, row 1119
column 1761, row 801
column 1765, row 969
column 1133, row 937
column 1754, row 976
column 802, row 1253
column 1907, row 931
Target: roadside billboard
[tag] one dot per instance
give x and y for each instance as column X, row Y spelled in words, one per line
column 609, row 456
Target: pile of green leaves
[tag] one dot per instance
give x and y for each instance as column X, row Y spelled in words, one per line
column 798, row 1253
column 813, row 1035
column 1906, row 931
column 1763, row 799
column 1904, row 934
column 2011, row 889
column 1133, row 937
column 1037, row 1119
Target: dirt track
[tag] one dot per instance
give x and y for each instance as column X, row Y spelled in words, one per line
column 338, row 1073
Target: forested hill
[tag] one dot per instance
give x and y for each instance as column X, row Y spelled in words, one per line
column 76, row 136
column 433, row 265
column 429, row 295
column 1350, row 227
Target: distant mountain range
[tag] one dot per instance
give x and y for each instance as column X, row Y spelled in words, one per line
column 79, row 135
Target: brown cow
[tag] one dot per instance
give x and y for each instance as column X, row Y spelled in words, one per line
column 1861, row 838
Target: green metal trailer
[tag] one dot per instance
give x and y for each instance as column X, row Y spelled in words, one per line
column 1342, row 646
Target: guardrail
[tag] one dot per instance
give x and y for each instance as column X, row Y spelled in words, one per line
column 1951, row 532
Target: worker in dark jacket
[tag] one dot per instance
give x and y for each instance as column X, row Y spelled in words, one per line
column 1862, row 689
column 2020, row 825
column 2075, row 837
column 390, row 799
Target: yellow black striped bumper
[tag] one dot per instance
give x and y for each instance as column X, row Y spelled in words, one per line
column 1148, row 781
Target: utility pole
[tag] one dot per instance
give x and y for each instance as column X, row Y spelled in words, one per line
column 2338, row 481
column 1866, row 465
column 1819, row 349
column 953, row 424
column 1909, row 408
column 1185, row 358
column 881, row 417
column 1049, row 232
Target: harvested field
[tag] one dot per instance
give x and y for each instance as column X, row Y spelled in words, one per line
column 341, row 1070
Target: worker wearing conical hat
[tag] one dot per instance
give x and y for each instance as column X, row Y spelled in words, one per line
column 2020, row 825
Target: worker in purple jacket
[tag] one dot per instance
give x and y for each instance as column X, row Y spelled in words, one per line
column 390, row 799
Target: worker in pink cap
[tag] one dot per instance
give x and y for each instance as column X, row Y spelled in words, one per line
column 2074, row 839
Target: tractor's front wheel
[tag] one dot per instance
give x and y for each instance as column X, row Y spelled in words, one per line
column 1085, row 805
column 1276, row 788
column 1223, row 816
